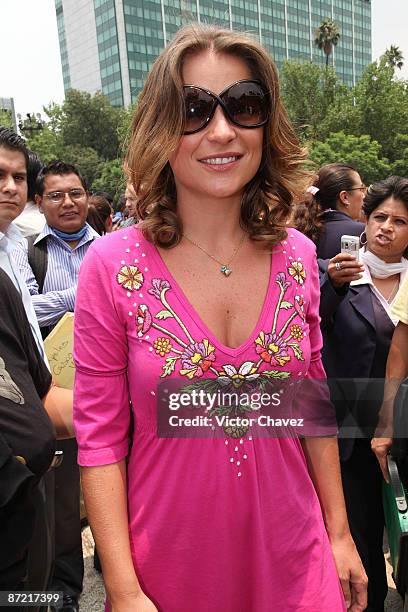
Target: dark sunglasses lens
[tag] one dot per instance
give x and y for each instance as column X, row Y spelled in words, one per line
column 247, row 104
column 198, row 107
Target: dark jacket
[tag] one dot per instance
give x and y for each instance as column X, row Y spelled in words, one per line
column 336, row 224
column 354, row 355
column 27, row 438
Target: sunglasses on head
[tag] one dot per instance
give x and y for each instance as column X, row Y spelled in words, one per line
column 244, row 103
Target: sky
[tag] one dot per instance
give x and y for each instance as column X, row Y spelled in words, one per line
column 30, row 60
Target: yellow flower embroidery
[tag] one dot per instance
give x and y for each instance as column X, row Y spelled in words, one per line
column 298, row 272
column 162, row 346
column 130, row 278
column 296, row 332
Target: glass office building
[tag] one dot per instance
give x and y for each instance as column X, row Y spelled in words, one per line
column 109, row 45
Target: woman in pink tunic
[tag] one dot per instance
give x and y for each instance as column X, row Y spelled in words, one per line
column 208, row 294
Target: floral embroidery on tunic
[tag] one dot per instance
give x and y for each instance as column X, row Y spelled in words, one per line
column 130, row 278
column 196, row 358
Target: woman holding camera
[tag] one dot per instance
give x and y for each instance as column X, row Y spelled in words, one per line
column 212, row 291
column 358, row 325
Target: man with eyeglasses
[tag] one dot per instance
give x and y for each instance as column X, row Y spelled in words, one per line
column 49, row 264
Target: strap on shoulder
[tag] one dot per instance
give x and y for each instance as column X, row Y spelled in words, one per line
column 38, row 259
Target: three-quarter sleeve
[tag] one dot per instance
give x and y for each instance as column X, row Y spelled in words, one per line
column 101, row 396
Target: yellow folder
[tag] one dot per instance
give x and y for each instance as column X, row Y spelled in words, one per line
column 59, row 349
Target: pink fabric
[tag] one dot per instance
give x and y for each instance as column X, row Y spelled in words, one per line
column 216, row 525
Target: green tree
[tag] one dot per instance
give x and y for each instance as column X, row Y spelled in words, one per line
column 308, row 91
column 86, row 160
column 91, row 121
column 124, row 127
column 342, row 115
column 111, row 179
column 400, row 164
column 360, row 151
column 377, row 106
column 393, row 57
column 47, row 143
column 327, row 35
column 6, row 120
column 383, row 104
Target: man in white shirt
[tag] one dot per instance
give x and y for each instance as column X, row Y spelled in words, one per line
column 13, row 196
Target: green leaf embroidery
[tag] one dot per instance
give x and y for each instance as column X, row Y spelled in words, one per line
column 286, row 305
column 244, row 408
column 296, row 350
column 169, row 366
column 209, row 385
column 276, row 374
column 163, row 314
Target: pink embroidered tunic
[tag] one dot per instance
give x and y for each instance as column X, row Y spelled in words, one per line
column 228, row 523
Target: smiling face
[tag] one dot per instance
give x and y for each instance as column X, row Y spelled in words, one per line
column 68, row 216
column 13, row 186
column 387, row 230
column 218, row 161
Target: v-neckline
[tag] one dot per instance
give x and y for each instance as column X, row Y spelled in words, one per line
column 192, row 312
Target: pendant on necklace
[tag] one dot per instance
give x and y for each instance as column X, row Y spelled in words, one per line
column 225, row 270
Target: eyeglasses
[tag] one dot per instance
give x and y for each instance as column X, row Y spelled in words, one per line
column 245, row 103
column 363, row 189
column 57, row 197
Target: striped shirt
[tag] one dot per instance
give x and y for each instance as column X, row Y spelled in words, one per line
column 60, row 283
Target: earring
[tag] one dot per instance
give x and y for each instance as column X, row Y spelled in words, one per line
column 361, row 238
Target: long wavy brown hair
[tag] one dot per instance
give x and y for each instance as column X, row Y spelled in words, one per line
column 157, row 129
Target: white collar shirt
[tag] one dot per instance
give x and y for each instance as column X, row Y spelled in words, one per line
column 367, row 279
column 8, row 242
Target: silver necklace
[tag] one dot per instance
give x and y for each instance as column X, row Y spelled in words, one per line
column 393, row 293
column 225, row 268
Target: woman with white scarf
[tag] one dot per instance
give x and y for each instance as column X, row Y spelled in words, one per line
column 358, row 325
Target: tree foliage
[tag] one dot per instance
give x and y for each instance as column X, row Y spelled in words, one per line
column 6, row 120
column 91, row 121
column 111, row 178
column 86, row 160
column 308, row 92
column 359, row 151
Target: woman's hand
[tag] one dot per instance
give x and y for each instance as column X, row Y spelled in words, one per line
column 351, row 573
column 134, row 603
column 380, row 448
column 344, row 268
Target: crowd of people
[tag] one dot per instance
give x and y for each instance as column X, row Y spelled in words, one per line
column 226, row 276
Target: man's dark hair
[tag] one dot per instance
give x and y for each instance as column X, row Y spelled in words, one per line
column 33, row 168
column 12, row 141
column 59, row 168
